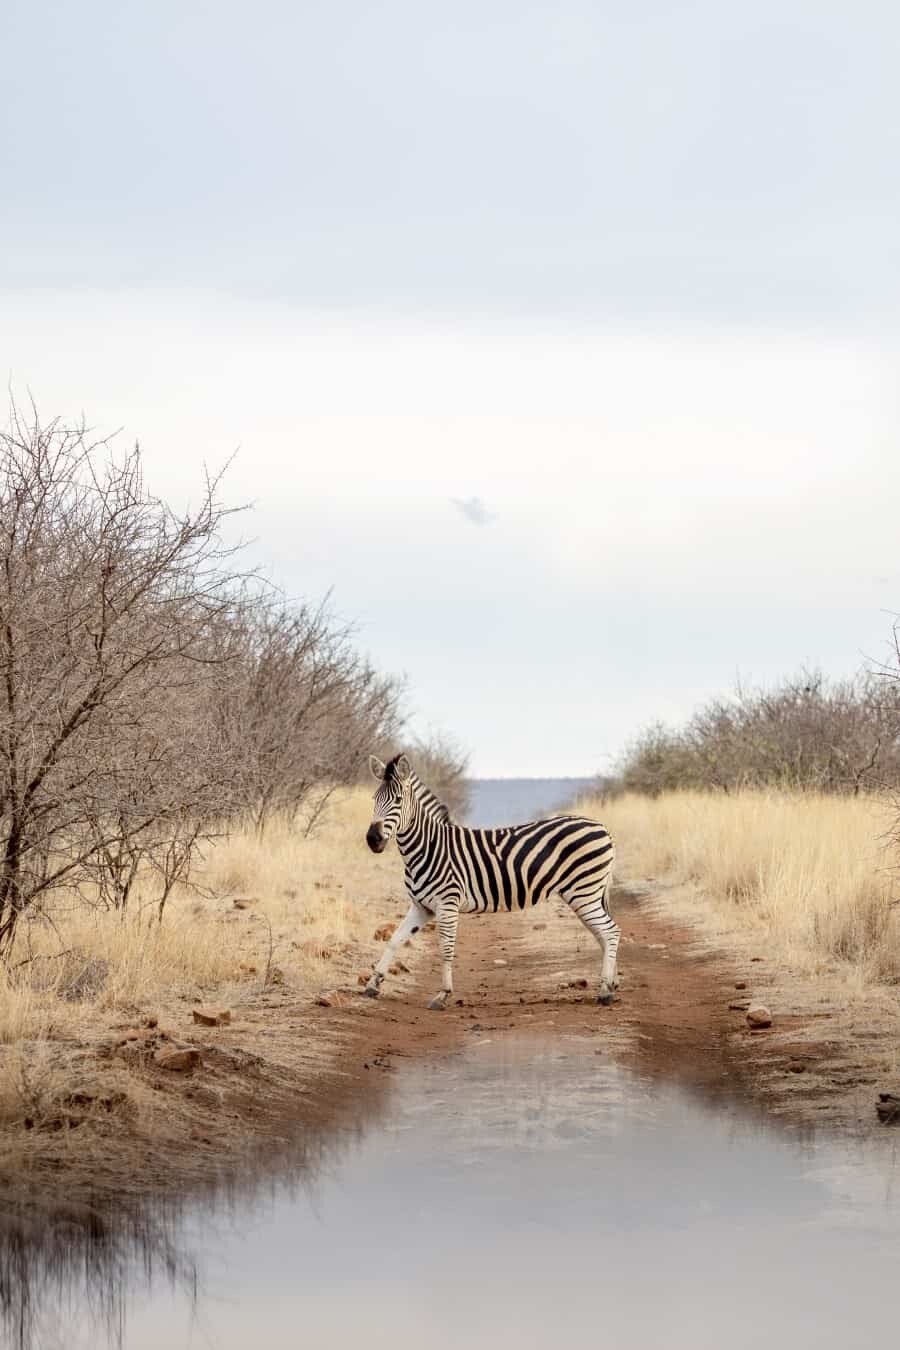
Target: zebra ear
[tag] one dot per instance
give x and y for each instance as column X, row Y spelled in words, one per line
column 403, row 768
column 376, row 767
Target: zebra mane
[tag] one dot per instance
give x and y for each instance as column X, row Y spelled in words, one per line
column 436, row 808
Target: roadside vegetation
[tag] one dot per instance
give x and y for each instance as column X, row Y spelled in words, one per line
column 287, row 913
column 180, row 756
column 778, row 809
column 808, row 876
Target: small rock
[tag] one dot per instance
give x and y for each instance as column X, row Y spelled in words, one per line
column 796, row 1066
column 247, row 968
column 740, row 1005
column 149, row 1021
column 177, row 1058
column 538, row 926
column 403, row 967
column 500, row 962
column 362, row 979
column 759, row 1016
column 243, row 902
column 330, row 998
column 212, row 1017
column 740, row 984
column 577, row 984
column 385, row 932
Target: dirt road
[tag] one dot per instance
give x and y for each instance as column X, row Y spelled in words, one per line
column 287, row 1069
column 672, row 1019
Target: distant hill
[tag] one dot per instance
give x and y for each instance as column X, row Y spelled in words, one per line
column 510, row 801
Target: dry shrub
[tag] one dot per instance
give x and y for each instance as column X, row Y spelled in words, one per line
column 840, row 736
column 312, row 901
column 812, row 871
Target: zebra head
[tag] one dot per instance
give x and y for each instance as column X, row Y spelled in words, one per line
column 393, row 800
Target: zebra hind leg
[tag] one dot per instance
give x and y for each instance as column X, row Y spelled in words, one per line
column 591, row 910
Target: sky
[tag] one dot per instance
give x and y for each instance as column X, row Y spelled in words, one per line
column 558, row 343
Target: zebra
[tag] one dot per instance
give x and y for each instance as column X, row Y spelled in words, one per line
column 450, row 870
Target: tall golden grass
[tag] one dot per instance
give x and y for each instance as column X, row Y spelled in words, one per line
column 814, row 873
column 312, row 906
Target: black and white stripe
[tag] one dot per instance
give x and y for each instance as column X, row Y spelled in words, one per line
column 451, row 870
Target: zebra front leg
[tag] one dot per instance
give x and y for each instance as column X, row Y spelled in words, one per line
column 447, row 920
column 416, row 918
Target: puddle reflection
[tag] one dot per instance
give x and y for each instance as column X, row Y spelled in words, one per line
column 516, row 1192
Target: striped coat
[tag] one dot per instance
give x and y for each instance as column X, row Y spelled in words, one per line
column 452, row 870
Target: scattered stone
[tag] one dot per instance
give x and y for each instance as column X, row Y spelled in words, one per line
column 888, row 1108
column 755, row 958
column 740, row 984
column 538, row 926
column 179, row 1059
column 247, row 968
column 330, row 998
column 403, row 967
column 796, row 1066
column 740, row 1005
column 500, row 962
column 362, row 979
column 759, row 1016
column 656, row 946
column 150, row 1021
column 385, row 932
column 212, row 1017
column 577, row 984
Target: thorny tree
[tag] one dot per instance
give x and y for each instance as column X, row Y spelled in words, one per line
column 109, row 603
column 806, row 733
column 300, row 709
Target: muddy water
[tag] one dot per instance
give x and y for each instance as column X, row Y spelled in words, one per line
column 515, row 1194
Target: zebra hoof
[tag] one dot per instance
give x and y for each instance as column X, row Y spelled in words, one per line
column 370, row 991
column 439, row 1002
column 605, row 1000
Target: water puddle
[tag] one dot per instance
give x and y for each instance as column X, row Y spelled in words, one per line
column 517, row 1194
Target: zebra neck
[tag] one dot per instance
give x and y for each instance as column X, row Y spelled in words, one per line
column 429, row 819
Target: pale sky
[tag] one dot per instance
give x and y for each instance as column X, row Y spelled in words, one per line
column 559, row 343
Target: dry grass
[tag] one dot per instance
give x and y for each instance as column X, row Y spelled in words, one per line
column 813, row 873
column 79, row 970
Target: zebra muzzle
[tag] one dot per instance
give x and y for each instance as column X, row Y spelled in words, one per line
column 375, row 839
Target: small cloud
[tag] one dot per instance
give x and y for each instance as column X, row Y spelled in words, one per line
column 474, row 510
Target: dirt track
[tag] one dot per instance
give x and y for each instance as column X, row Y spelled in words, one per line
column 671, row 1018
column 289, row 1070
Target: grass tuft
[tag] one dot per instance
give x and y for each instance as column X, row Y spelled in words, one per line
column 814, row 873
